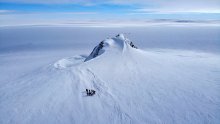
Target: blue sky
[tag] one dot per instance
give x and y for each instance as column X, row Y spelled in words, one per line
column 34, row 11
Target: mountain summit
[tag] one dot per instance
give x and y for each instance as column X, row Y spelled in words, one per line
column 119, row 42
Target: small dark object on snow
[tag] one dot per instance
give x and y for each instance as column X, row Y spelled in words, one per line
column 93, row 92
column 132, row 45
column 90, row 92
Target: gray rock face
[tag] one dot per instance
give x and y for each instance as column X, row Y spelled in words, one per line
column 95, row 52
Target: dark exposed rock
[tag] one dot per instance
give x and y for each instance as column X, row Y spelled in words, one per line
column 132, row 45
column 95, row 52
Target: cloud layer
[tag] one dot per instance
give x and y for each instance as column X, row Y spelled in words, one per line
column 23, row 11
column 159, row 6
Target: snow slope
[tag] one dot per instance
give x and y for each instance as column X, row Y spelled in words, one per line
column 133, row 86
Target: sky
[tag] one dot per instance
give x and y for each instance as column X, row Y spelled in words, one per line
column 14, row 12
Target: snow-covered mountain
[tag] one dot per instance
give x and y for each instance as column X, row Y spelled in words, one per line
column 117, row 43
column 132, row 86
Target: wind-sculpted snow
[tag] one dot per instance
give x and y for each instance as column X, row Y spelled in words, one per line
column 132, row 86
column 69, row 62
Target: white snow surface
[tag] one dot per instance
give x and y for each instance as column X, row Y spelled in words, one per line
column 132, row 86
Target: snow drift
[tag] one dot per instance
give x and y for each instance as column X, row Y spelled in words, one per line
column 132, row 86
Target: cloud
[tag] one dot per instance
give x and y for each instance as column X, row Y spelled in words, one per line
column 2, row 12
column 156, row 6
column 79, row 13
column 176, row 11
column 6, row 11
column 82, row 2
column 29, row 18
column 12, row 12
column 174, row 6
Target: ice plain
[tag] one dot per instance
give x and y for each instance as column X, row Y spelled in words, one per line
column 173, row 76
